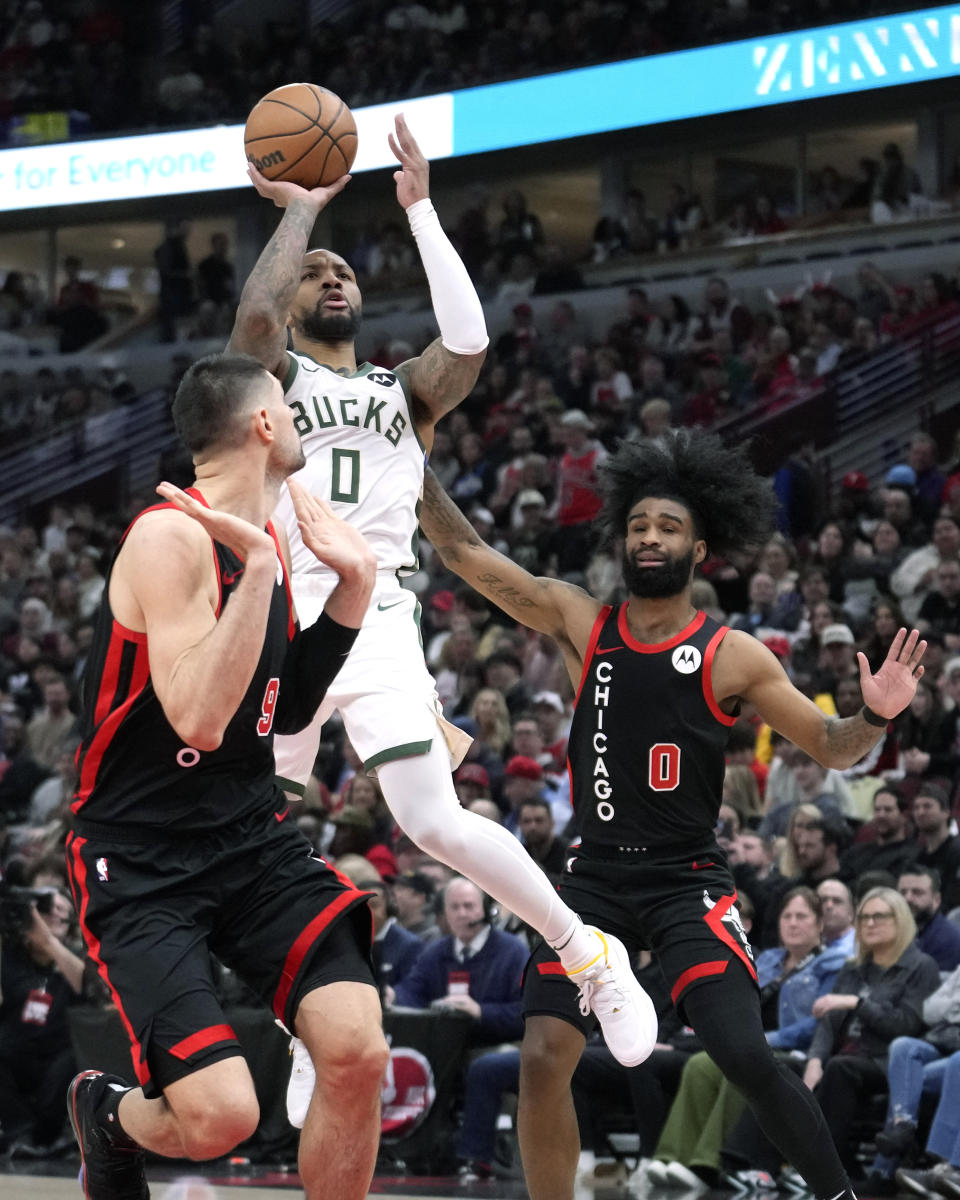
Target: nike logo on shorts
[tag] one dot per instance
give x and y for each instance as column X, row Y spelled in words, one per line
column 698, row 866
column 381, row 607
column 280, row 816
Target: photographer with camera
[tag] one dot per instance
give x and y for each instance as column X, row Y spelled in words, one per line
column 40, row 977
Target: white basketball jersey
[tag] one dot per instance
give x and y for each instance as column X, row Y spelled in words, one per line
column 363, row 457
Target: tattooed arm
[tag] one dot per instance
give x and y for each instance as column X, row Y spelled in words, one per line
column 260, row 327
column 743, row 667
column 565, row 612
column 439, row 380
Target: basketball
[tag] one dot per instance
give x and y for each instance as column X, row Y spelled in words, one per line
column 301, row 133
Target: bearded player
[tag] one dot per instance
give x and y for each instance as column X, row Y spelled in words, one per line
column 660, row 684
column 365, row 433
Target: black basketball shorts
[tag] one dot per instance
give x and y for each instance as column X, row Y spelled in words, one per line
column 679, row 904
column 252, row 894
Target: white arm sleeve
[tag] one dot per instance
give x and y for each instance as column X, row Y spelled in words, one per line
column 456, row 304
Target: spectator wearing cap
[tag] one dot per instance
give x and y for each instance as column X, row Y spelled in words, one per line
column 528, row 743
column 415, row 896
column 856, row 506
column 440, row 615
column 578, row 492
column 471, row 782
column 838, row 656
column 523, row 780
column 551, row 716
column 354, row 834
column 531, row 532
column 911, row 581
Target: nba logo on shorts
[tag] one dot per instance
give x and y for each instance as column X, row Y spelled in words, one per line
column 686, row 659
column 102, row 873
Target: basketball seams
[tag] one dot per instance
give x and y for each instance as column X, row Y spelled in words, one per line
column 324, row 126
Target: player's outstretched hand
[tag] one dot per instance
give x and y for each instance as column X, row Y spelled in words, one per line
column 333, row 541
column 282, row 193
column 892, row 688
column 243, row 537
column 413, row 178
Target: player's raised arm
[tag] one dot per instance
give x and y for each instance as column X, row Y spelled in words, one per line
column 260, row 327
column 447, row 370
column 548, row 605
column 747, row 668
column 201, row 666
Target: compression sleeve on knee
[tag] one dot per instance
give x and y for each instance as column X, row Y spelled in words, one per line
column 314, row 657
column 456, row 304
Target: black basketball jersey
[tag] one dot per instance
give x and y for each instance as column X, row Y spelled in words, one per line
column 133, row 769
column 647, row 741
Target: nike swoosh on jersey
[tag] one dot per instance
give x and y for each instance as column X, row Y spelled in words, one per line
column 609, row 649
column 281, row 815
column 381, row 607
column 229, row 579
column 698, row 866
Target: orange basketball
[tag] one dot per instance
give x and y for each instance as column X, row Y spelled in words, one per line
column 301, row 133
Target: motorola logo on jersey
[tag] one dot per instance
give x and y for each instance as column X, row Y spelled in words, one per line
column 686, row 659
column 384, row 378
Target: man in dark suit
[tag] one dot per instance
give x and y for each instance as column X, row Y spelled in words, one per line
column 476, row 969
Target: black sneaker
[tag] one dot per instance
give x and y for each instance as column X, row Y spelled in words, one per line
column 112, row 1163
column 896, row 1139
column 941, row 1180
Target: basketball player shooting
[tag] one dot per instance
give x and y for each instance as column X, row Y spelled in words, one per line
column 365, row 433
column 660, row 684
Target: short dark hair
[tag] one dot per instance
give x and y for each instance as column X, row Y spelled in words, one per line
column 505, row 658
column 535, row 802
column 731, row 505
column 915, row 868
column 935, row 792
column 211, row 395
column 834, row 829
column 903, row 803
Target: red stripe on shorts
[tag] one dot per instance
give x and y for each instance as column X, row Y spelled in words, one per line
column 202, row 1039
column 300, row 948
column 550, row 968
column 698, row 972
column 78, row 874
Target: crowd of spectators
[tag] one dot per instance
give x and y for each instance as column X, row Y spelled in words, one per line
column 886, row 551
column 96, row 59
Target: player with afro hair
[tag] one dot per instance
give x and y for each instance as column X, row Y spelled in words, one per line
column 731, row 506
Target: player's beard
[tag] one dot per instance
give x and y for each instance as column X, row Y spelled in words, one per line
column 322, row 325
column 669, row 578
